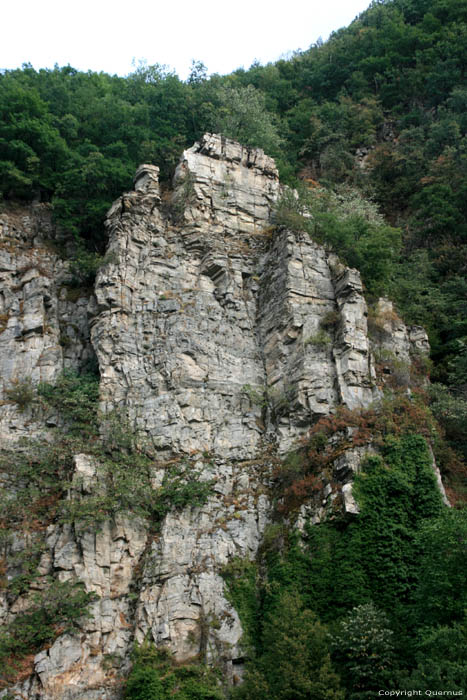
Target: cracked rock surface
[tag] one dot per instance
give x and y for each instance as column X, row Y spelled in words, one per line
column 223, row 341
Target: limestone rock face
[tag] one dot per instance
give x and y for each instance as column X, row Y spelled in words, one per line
column 397, row 338
column 189, row 315
column 223, row 341
column 182, row 602
column 42, row 330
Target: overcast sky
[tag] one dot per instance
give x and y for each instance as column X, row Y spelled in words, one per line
column 102, row 35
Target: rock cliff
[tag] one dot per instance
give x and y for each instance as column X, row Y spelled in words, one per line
column 222, row 339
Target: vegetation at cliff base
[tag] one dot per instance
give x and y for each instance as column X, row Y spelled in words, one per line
column 156, row 676
column 358, row 603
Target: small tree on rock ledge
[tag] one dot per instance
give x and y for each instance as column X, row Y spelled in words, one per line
column 243, row 116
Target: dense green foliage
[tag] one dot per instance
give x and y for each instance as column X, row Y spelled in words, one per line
column 440, row 659
column 373, row 557
column 243, row 117
column 76, row 138
column 295, row 660
column 451, row 410
column 388, row 583
column 364, row 651
column 154, row 676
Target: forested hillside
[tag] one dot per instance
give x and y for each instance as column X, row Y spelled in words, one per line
column 370, row 127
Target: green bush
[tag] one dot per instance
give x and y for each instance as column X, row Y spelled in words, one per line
column 57, row 609
column 440, row 659
column 83, row 267
column 321, row 339
column 291, row 211
column 256, row 397
column 241, row 577
column 75, row 397
column 21, row 392
column 347, row 223
column 244, row 117
column 441, row 596
column 156, row 676
column 451, row 411
column 363, row 649
column 295, row 660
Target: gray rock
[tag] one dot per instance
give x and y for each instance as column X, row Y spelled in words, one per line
column 350, row 505
column 42, row 331
column 223, row 341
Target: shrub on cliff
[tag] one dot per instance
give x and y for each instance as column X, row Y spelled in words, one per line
column 349, row 225
column 440, row 658
column 55, row 610
column 75, row 396
column 243, row 116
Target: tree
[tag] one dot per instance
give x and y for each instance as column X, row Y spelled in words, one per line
column 441, row 660
column 31, row 148
column 243, row 117
column 441, row 595
column 364, row 651
column 295, row 663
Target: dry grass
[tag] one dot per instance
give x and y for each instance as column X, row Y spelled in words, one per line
column 4, row 321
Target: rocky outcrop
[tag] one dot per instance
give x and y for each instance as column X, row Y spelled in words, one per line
column 391, row 334
column 182, row 601
column 191, row 314
column 105, row 561
column 222, row 340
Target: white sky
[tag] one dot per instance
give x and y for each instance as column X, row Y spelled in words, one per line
column 102, row 35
